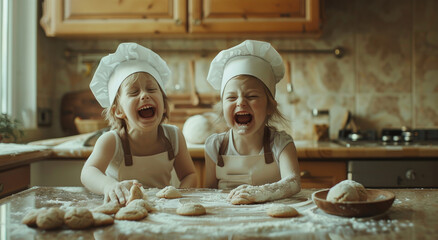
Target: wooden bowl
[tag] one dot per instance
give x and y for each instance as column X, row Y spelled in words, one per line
column 378, row 202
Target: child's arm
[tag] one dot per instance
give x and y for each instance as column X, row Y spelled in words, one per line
column 93, row 177
column 210, row 180
column 184, row 167
column 286, row 187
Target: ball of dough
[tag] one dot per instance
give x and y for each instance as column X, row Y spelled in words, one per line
column 196, row 129
column 169, row 192
column 101, row 219
column 50, row 219
column 108, row 208
column 347, row 191
column 141, row 203
column 131, row 213
column 135, row 193
column 30, row 218
column 78, row 218
column 282, row 211
column 191, row 209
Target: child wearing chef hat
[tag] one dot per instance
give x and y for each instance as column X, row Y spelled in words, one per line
column 252, row 156
column 139, row 148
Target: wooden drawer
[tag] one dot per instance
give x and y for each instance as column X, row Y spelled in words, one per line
column 14, row 180
column 199, row 167
column 322, row 174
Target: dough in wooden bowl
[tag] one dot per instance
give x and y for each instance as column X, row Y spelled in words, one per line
column 169, row 192
column 135, row 193
column 50, row 219
column 78, row 218
column 191, row 209
column 133, row 213
column 30, row 218
column 101, row 219
column 282, row 211
column 108, row 208
column 347, row 191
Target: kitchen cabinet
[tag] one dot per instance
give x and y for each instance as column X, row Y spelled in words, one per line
column 181, row 18
column 322, row 174
column 14, row 180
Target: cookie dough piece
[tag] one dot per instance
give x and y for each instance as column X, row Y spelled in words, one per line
column 282, row 211
column 135, row 193
column 140, row 203
column 131, row 213
column 50, row 219
column 191, row 209
column 347, row 191
column 101, row 219
column 108, row 208
column 78, row 218
column 169, row 192
column 30, row 218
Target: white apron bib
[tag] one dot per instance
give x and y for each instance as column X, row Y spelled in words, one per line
column 232, row 171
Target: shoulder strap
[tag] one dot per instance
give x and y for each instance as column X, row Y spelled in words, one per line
column 167, row 144
column 125, row 144
column 222, row 149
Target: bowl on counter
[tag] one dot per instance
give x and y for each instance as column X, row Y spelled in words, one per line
column 378, row 202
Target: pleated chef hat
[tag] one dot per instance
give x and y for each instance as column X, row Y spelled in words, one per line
column 129, row 58
column 255, row 58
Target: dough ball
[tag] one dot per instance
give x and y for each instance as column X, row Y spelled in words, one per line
column 169, row 192
column 135, row 193
column 140, row 203
column 347, row 191
column 196, row 129
column 50, row 219
column 78, row 218
column 30, row 218
column 108, row 208
column 191, row 209
column 282, row 211
column 101, row 219
column 131, row 213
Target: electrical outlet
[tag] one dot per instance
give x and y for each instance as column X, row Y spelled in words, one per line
column 44, row 117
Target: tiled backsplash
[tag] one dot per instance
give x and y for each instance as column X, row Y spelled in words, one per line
column 388, row 76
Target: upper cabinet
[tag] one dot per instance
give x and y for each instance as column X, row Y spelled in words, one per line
column 183, row 18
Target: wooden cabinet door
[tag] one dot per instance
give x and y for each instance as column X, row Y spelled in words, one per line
column 322, row 174
column 254, row 16
column 113, row 17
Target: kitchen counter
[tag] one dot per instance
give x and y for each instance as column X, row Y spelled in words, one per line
column 12, row 155
column 414, row 215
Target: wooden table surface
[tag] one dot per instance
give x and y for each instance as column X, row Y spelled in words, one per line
column 414, row 215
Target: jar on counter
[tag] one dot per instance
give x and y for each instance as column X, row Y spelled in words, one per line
column 321, row 124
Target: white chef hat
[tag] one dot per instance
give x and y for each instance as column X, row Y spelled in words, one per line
column 129, row 58
column 255, row 58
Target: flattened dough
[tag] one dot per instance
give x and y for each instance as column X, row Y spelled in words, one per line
column 131, row 213
column 347, row 191
column 169, row 192
column 50, row 219
column 282, row 211
column 101, row 219
column 108, row 208
column 140, row 203
column 78, row 218
column 191, row 209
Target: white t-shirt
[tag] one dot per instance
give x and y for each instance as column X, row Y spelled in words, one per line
column 279, row 140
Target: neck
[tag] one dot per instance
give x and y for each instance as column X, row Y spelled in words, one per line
column 249, row 144
column 145, row 142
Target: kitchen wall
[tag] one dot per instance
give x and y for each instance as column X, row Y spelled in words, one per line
column 388, row 76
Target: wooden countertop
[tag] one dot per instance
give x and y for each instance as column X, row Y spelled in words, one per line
column 413, row 215
column 12, row 155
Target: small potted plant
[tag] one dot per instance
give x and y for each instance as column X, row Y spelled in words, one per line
column 9, row 129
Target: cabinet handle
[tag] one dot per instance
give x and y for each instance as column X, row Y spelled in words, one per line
column 305, row 174
column 410, row 174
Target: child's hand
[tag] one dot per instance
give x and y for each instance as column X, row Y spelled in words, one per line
column 247, row 194
column 119, row 191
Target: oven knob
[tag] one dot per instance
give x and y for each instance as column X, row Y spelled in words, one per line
column 410, row 174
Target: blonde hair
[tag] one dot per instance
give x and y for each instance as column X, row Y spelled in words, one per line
column 109, row 112
column 273, row 119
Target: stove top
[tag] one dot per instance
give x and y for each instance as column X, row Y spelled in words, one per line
column 388, row 138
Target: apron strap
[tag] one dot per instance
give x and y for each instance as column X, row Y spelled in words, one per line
column 125, row 144
column 269, row 157
column 167, row 144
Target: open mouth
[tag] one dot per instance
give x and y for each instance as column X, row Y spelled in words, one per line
column 243, row 118
column 146, row 111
